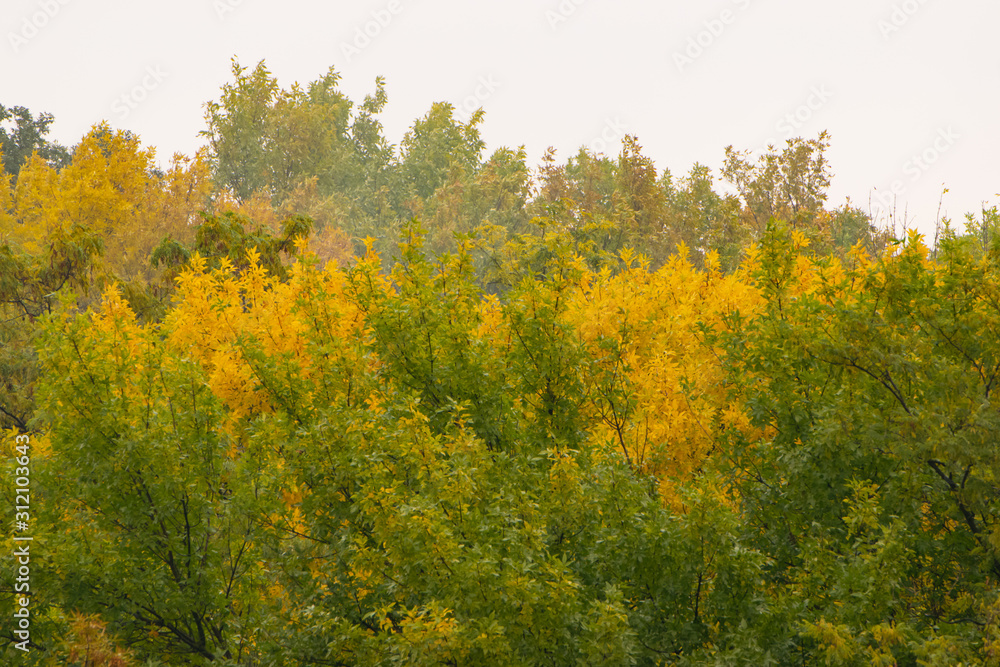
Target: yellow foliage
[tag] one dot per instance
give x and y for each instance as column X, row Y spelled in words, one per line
column 6, row 203
column 110, row 187
column 35, row 215
column 329, row 212
column 668, row 391
column 88, row 644
column 835, row 640
column 257, row 208
column 433, row 626
column 332, row 244
column 216, row 311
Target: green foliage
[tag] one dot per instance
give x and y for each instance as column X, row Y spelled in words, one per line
column 308, row 147
column 436, row 145
column 849, row 226
column 154, row 525
column 26, row 137
column 874, row 493
column 265, row 139
column 30, row 286
column 237, row 130
column 426, row 492
column 250, row 456
column 790, row 185
column 704, row 220
column 472, row 517
column 980, row 237
column 226, row 238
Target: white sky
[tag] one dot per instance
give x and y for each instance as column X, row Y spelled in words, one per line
column 891, row 80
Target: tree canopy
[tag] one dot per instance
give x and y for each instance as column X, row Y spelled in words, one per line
column 311, row 398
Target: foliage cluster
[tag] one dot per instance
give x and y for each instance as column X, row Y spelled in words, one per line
column 304, row 399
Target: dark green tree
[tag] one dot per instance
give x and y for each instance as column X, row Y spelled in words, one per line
column 21, row 135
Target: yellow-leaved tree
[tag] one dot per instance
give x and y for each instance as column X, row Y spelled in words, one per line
column 6, row 201
column 660, row 392
column 112, row 187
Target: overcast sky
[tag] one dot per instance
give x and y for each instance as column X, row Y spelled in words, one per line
column 908, row 89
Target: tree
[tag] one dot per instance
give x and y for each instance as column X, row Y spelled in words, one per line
column 113, row 190
column 790, row 185
column 270, row 140
column 304, row 151
column 6, row 200
column 342, row 466
column 848, row 226
column 27, row 137
column 228, row 240
column 154, row 525
column 30, row 287
column 872, row 487
column 704, row 220
column 643, row 196
column 237, row 131
column 76, row 227
column 501, row 191
column 306, row 135
column 657, row 391
column 436, row 144
column 980, row 235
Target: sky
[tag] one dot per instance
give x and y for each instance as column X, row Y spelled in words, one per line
column 909, row 90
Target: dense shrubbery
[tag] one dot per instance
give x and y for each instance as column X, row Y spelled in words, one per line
column 593, row 416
